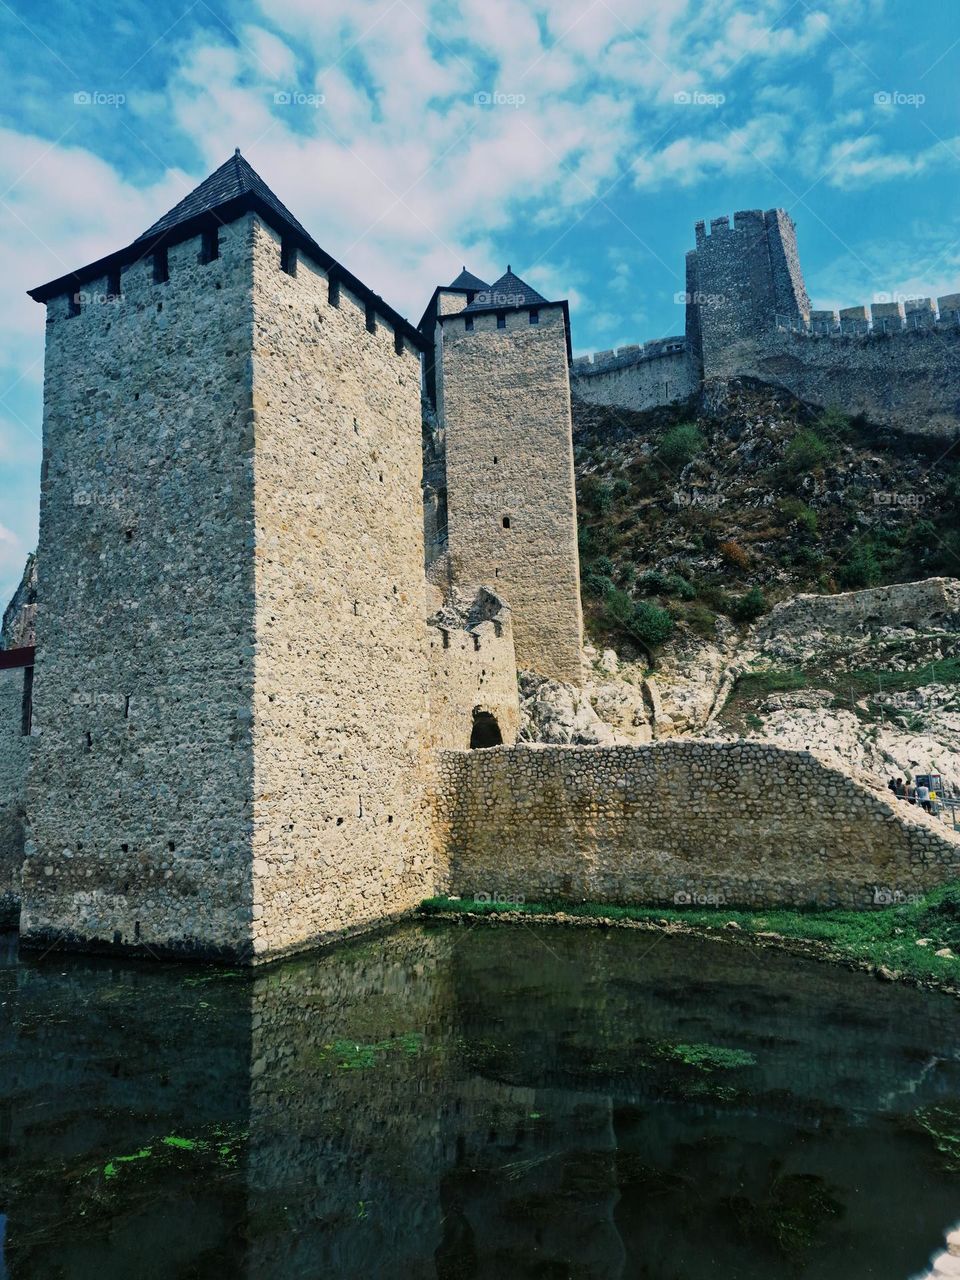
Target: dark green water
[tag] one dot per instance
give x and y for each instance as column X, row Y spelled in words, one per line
column 489, row 1102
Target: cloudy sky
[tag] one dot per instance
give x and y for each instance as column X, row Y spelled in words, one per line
column 577, row 140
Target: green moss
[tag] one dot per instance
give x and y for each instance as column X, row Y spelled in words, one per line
column 942, row 1123
column 792, row 1218
column 349, row 1055
column 709, row 1057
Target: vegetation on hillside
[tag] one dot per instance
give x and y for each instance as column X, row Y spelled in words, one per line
column 686, row 515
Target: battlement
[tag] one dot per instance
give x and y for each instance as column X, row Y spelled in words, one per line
column 745, row 222
column 881, row 318
column 623, row 357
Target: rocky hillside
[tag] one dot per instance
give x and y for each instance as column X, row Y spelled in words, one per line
column 721, row 507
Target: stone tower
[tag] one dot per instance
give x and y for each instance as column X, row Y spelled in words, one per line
column 503, row 391
column 742, row 283
column 230, row 694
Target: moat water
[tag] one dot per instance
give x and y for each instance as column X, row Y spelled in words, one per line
column 455, row 1102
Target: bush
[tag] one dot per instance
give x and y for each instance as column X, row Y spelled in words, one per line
column 586, row 540
column 644, row 621
column 804, row 516
column 806, row 451
column 750, row 607
column 596, row 585
column 595, row 495
column 680, row 445
column 860, row 569
column 834, row 421
column 655, row 583
column 734, row 554
column 603, row 564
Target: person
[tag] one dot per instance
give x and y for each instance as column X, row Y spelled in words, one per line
column 892, row 785
column 923, row 796
column 901, row 789
column 911, row 793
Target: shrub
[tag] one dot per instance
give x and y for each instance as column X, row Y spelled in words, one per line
column 603, row 564
column 806, row 451
column 644, row 621
column 804, row 516
column 860, row 569
column 586, row 540
column 595, row 584
column 680, row 444
column 749, row 607
column 734, row 554
column 834, row 421
column 655, row 583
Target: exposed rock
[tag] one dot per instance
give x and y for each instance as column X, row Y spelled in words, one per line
column 19, row 618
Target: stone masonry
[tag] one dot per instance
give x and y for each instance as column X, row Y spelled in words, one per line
column 681, row 822
column 510, row 483
column 748, row 314
column 14, row 762
column 251, row 706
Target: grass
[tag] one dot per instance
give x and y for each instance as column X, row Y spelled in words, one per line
column 885, row 937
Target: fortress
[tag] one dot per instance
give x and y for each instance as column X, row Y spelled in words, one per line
column 263, row 649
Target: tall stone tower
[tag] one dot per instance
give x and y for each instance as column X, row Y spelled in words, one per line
column 503, row 388
column 742, row 281
column 231, row 683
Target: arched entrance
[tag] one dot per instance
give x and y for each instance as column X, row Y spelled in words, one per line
column 486, row 731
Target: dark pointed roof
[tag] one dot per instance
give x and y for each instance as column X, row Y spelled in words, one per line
column 230, row 192
column 467, row 280
column 234, row 179
column 507, row 292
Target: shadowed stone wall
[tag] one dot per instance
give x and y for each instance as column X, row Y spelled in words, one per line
column 510, row 486
column 140, row 787
column 14, row 760
column 748, row 823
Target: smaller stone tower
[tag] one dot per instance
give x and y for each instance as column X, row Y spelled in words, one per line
column 742, row 282
column 503, row 397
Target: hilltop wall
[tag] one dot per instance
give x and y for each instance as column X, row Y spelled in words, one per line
column 636, row 377
column 680, row 821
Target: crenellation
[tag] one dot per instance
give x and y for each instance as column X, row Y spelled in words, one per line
column 854, row 320
column 887, row 317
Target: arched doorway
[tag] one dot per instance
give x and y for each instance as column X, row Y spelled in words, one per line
column 486, row 731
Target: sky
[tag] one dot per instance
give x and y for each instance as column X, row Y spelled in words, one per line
column 579, row 141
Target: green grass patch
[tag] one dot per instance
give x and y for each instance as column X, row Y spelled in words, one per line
column 885, row 936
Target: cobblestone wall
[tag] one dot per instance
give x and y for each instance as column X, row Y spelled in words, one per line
column 14, row 759
column 510, row 486
column 340, row 711
column 742, row 823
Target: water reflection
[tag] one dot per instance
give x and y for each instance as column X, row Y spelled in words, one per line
column 442, row 1102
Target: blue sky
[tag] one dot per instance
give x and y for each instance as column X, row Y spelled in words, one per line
column 604, row 130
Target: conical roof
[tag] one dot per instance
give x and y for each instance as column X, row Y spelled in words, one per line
column 467, row 280
column 235, row 178
column 509, row 291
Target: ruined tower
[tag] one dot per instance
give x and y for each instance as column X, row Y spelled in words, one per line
column 231, row 687
column 503, row 395
column 742, row 283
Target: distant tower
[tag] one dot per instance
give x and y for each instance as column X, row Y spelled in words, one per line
column 503, row 394
column 741, row 283
column 231, row 685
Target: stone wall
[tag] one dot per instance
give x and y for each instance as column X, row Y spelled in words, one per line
column 746, row 823
column 14, row 759
column 340, row 702
column 907, row 379
column 834, row 618
column 473, row 668
column 635, row 378
column 511, row 497
column 141, row 781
